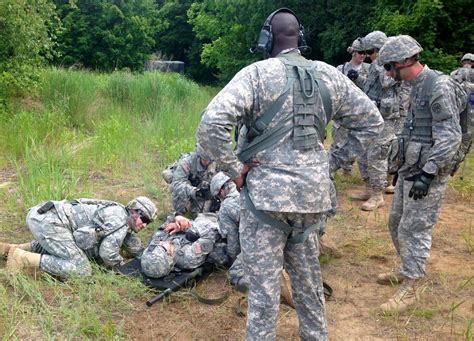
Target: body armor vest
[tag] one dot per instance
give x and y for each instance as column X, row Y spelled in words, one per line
column 373, row 87
column 419, row 119
column 312, row 109
column 309, row 117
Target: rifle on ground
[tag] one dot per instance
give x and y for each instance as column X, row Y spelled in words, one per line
column 177, row 283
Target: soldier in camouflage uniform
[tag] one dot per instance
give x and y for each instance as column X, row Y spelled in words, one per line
column 190, row 183
column 357, row 71
column 430, row 139
column 466, row 72
column 381, row 89
column 287, row 174
column 180, row 244
column 68, row 233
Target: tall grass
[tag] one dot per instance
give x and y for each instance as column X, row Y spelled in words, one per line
column 121, row 124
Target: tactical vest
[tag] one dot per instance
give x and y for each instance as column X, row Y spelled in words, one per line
column 419, row 119
column 82, row 218
column 308, row 120
column 373, row 87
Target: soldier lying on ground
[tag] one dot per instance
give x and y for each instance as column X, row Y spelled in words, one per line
column 180, row 244
column 68, row 233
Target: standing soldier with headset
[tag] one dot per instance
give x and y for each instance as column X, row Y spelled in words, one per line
column 282, row 167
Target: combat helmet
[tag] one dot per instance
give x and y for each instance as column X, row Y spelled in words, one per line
column 399, row 48
column 145, row 206
column 375, row 40
column 217, row 182
column 357, row 45
column 156, row 262
column 468, row 57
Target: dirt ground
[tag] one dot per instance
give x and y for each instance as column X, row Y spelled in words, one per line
column 446, row 310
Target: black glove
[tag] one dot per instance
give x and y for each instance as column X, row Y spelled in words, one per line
column 204, row 192
column 352, row 75
column 421, row 184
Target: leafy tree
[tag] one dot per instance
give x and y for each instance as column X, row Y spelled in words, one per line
column 27, row 33
column 176, row 40
column 107, row 35
column 443, row 27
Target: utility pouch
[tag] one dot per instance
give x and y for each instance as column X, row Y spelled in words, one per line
column 396, row 155
column 192, row 236
column 86, row 237
column 46, row 207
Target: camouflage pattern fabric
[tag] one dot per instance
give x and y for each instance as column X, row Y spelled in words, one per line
column 188, row 254
column 411, row 224
column 411, row 221
column 53, row 233
column 463, row 74
column 263, row 266
column 362, row 69
column 182, row 188
column 373, row 165
column 285, row 180
column 229, row 219
column 445, row 105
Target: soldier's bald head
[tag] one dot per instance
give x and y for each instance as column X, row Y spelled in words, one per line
column 285, row 29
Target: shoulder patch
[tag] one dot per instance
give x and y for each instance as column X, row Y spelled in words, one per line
column 436, row 108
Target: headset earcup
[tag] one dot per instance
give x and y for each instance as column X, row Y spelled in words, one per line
column 265, row 41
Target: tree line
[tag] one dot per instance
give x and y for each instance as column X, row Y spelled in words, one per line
column 212, row 37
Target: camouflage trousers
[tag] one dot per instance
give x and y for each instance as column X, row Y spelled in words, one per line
column 264, row 253
column 373, row 164
column 339, row 139
column 61, row 256
column 411, row 224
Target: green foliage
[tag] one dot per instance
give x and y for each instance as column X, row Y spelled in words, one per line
column 107, row 35
column 27, row 32
column 443, row 28
column 86, row 123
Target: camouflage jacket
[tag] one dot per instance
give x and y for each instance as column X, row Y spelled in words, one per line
column 107, row 216
column 387, row 99
column 186, row 257
column 435, row 157
column 286, row 179
column 188, row 175
column 363, row 71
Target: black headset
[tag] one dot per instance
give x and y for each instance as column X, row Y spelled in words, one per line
column 265, row 39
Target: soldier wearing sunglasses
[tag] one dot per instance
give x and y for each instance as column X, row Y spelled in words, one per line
column 430, row 140
column 356, row 70
column 381, row 89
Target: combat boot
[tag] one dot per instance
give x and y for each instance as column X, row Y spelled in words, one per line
column 404, row 298
column 364, row 195
column 390, row 278
column 285, row 290
column 5, row 247
column 390, row 189
column 19, row 259
column 375, row 201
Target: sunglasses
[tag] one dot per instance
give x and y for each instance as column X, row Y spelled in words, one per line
column 360, row 52
column 143, row 218
column 370, row 51
column 389, row 67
